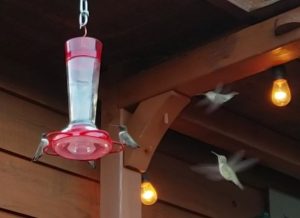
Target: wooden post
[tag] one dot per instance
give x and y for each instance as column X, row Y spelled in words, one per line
column 119, row 187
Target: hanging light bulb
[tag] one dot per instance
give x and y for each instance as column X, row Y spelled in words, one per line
column 148, row 193
column 281, row 94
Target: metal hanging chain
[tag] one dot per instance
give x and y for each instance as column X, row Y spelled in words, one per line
column 84, row 15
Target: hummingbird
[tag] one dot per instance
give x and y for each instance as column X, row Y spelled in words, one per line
column 125, row 138
column 40, row 149
column 214, row 99
column 226, row 169
column 92, row 164
column 43, row 144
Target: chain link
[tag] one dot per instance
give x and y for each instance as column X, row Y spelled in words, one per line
column 84, row 13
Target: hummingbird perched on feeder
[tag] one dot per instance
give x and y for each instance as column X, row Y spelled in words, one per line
column 226, row 169
column 92, row 164
column 125, row 138
column 40, row 150
column 43, row 144
column 214, row 99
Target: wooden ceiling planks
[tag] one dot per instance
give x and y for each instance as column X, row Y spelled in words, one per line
column 232, row 132
column 181, row 186
column 136, row 35
column 193, row 151
column 231, row 58
column 254, row 102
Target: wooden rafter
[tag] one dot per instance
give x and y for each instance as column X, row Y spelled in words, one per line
column 231, row 132
column 148, row 124
column 239, row 55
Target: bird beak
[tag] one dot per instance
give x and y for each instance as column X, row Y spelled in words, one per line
column 215, row 153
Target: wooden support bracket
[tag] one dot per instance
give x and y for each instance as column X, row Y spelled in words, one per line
column 148, row 124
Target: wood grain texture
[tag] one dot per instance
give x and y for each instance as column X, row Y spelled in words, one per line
column 176, row 183
column 40, row 191
column 21, row 125
column 232, row 132
column 161, row 210
column 228, row 59
column 120, row 186
column 120, row 195
column 194, row 152
column 131, row 43
column 6, row 214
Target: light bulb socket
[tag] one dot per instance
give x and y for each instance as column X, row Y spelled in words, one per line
column 145, row 177
column 279, row 72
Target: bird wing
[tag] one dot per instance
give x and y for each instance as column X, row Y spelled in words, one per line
column 213, row 106
column 245, row 164
column 125, row 138
column 40, row 149
column 219, row 88
column 209, row 170
column 235, row 158
column 203, row 102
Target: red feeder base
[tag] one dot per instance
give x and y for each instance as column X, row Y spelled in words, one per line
column 80, row 143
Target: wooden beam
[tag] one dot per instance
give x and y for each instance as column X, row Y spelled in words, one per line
column 178, row 185
column 8, row 214
column 15, row 78
column 120, row 187
column 232, row 132
column 148, row 124
column 163, row 210
column 39, row 191
column 239, row 55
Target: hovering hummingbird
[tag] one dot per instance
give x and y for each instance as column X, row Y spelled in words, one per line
column 126, row 138
column 226, row 169
column 40, row 149
column 214, row 99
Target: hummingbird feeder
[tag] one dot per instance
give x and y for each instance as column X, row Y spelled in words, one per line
column 81, row 139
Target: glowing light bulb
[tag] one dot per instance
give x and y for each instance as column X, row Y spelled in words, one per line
column 148, row 193
column 281, row 94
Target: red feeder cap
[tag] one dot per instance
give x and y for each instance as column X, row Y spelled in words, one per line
column 83, row 46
